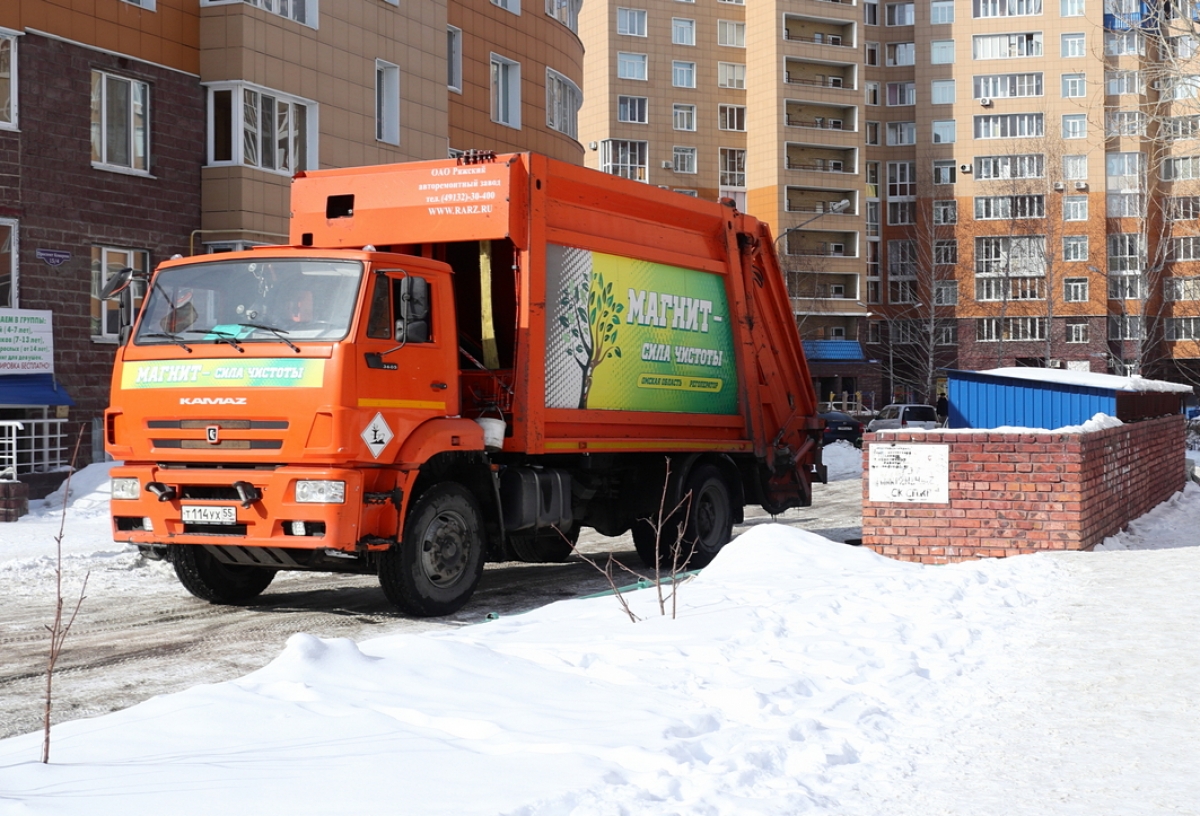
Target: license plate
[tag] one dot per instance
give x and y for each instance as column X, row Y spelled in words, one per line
column 210, row 515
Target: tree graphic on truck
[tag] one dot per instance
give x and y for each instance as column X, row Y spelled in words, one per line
column 591, row 332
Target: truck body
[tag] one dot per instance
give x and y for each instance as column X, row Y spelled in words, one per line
column 454, row 361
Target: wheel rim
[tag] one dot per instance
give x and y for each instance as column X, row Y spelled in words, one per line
column 444, row 551
column 710, row 521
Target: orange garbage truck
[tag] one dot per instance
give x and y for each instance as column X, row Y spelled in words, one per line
column 452, row 362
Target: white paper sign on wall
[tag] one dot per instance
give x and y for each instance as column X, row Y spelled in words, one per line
column 909, row 474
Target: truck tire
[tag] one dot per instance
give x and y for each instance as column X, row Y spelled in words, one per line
column 545, row 546
column 708, row 528
column 438, row 564
column 209, row 580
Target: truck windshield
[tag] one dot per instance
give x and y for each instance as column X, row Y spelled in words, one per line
column 245, row 301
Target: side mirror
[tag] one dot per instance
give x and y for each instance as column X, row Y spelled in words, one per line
column 117, row 284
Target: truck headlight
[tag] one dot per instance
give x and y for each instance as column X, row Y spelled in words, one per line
column 320, row 491
column 125, row 488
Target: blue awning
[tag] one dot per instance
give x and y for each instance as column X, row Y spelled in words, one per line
column 32, row 389
column 842, row 350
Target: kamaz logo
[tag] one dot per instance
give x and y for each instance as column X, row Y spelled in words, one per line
column 212, row 400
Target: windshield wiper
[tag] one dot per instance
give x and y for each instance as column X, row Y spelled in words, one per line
column 224, row 337
column 280, row 333
column 174, row 338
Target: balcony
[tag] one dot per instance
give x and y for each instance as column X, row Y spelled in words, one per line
column 822, row 160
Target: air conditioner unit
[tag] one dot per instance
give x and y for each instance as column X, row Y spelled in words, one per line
column 1054, row 363
column 1081, row 185
column 835, row 82
column 668, row 165
column 837, row 249
column 965, row 168
column 985, row 102
column 835, row 124
column 834, row 40
column 837, row 290
column 833, row 166
column 593, row 145
column 1058, row 185
column 837, row 332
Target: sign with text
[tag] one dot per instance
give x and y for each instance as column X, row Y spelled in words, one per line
column 26, row 341
column 909, row 474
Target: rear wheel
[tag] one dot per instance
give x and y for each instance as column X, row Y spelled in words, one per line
column 436, row 568
column 210, row 580
column 710, row 516
column 545, row 546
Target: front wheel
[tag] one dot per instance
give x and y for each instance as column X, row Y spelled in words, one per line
column 210, row 580
column 438, row 564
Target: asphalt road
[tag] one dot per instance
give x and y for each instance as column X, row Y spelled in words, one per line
column 127, row 647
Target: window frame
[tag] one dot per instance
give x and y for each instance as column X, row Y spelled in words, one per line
column 738, row 112
column 691, row 152
column 103, row 310
column 683, row 31
column 302, row 139
column 504, row 81
column 101, row 155
column 13, row 273
column 563, row 101
column 626, row 59
column 387, row 102
column 626, row 15
column 689, row 74
column 642, row 103
column 8, row 44
column 454, row 55
column 685, row 109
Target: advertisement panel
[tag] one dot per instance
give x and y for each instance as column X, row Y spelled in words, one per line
column 271, row 373
column 630, row 335
column 26, row 341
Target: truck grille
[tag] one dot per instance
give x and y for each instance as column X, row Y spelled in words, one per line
column 224, row 427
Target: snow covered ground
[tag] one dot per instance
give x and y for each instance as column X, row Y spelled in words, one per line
column 799, row 675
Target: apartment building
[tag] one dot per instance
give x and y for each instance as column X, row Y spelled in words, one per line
column 969, row 183
column 134, row 130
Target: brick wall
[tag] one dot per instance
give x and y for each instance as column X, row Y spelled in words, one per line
column 1017, row 493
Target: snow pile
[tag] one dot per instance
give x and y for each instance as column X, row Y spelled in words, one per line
column 842, row 461
column 1088, row 379
column 90, row 491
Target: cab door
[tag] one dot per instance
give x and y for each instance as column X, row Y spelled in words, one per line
column 407, row 361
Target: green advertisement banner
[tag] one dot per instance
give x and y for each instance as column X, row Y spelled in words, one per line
column 632, row 335
column 271, row 373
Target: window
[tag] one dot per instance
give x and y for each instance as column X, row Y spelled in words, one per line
column 945, row 293
column 902, row 258
column 1076, row 331
column 1181, row 168
column 733, row 167
column 901, row 93
column 1183, row 328
column 1124, row 123
column 265, row 129
column 1185, row 249
column 871, row 136
column 945, row 252
column 1008, row 126
column 1116, row 44
column 1075, row 290
column 901, row 180
column 731, row 75
column 1075, row 208
column 387, row 102
column 631, row 66
column 941, row 12
column 684, row 160
column 902, row 212
column 1075, row 248
column 901, row 133
column 625, row 158
column 302, row 11
column 941, row 92
column 506, row 91
column 991, row 208
column 901, row 54
column 683, row 117
column 454, row 58
column 899, row 14
column 1074, row 86
column 106, row 262
column 995, row 329
column 8, row 80
column 1074, row 126
column 1016, row 256
column 1124, row 266
column 731, row 34
column 8, row 263
column 633, row 109
column 1124, row 327
column 1123, row 205
column 1182, row 47
column 1075, row 168
column 1119, row 83
column 683, row 74
column 120, row 122
column 563, row 101
column 871, row 53
column 1180, row 127
column 149, row 5
column 941, row 52
column 1125, row 172
column 565, row 11
column 1005, row 8
column 1071, row 8
column 872, row 93
column 683, row 32
column 631, row 22
column 1183, row 208
column 731, row 117
column 945, row 212
column 1028, row 165
column 870, row 12
column 1182, row 288
column 1074, row 45
column 1006, row 46
column 1004, row 86
column 943, row 132
column 508, row 5
column 944, row 172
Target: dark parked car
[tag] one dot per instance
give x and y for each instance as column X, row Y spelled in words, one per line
column 839, row 425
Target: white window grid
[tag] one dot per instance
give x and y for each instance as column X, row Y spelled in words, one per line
column 1076, row 290
column 731, row 34
column 945, row 172
column 506, row 91
column 563, row 101
column 1009, row 206
column 1007, row 86
column 1021, row 166
column 633, row 109
column 684, row 159
column 683, row 116
column 1182, row 288
column 683, row 74
column 1075, row 248
column 1075, row 208
column 1075, row 332
column 731, row 117
column 120, row 123
column 731, row 75
column 631, row 65
column 683, row 31
column 1010, row 126
column 1006, row 46
column 944, row 132
column 941, row 52
column 941, row 92
column 8, row 81
column 1005, row 8
column 631, row 22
